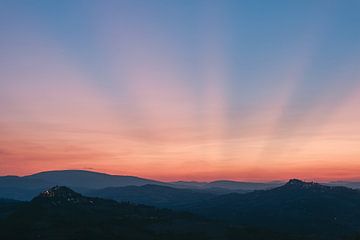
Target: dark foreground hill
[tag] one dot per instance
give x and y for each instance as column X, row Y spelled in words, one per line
column 62, row 214
column 308, row 209
column 296, row 210
column 303, row 208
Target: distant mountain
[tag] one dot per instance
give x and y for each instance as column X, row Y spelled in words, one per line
column 21, row 188
column 188, row 184
column 228, row 185
column 22, row 182
column 21, row 194
column 349, row 184
column 25, row 188
column 220, row 191
column 62, row 214
column 88, row 179
column 154, row 195
column 233, row 185
column 299, row 207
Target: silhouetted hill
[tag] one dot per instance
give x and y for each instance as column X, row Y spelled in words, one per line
column 154, row 195
column 25, row 188
column 88, row 179
column 297, row 207
column 63, row 196
column 62, row 214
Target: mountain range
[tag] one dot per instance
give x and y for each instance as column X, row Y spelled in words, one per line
column 27, row 187
column 298, row 207
column 93, row 205
column 295, row 210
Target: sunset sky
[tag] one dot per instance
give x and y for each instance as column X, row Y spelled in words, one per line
column 190, row 89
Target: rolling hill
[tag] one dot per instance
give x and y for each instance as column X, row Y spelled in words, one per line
column 62, row 214
column 27, row 187
column 298, row 207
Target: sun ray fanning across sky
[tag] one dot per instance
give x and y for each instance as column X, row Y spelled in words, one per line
column 171, row 90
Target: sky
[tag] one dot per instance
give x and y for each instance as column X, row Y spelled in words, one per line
column 192, row 90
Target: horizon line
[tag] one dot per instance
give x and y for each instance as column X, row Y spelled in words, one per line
column 189, row 180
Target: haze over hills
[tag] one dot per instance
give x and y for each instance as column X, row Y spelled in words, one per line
column 89, row 179
column 231, row 185
column 25, row 188
column 349, row 184
column 297, row 210
column 297, row 207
